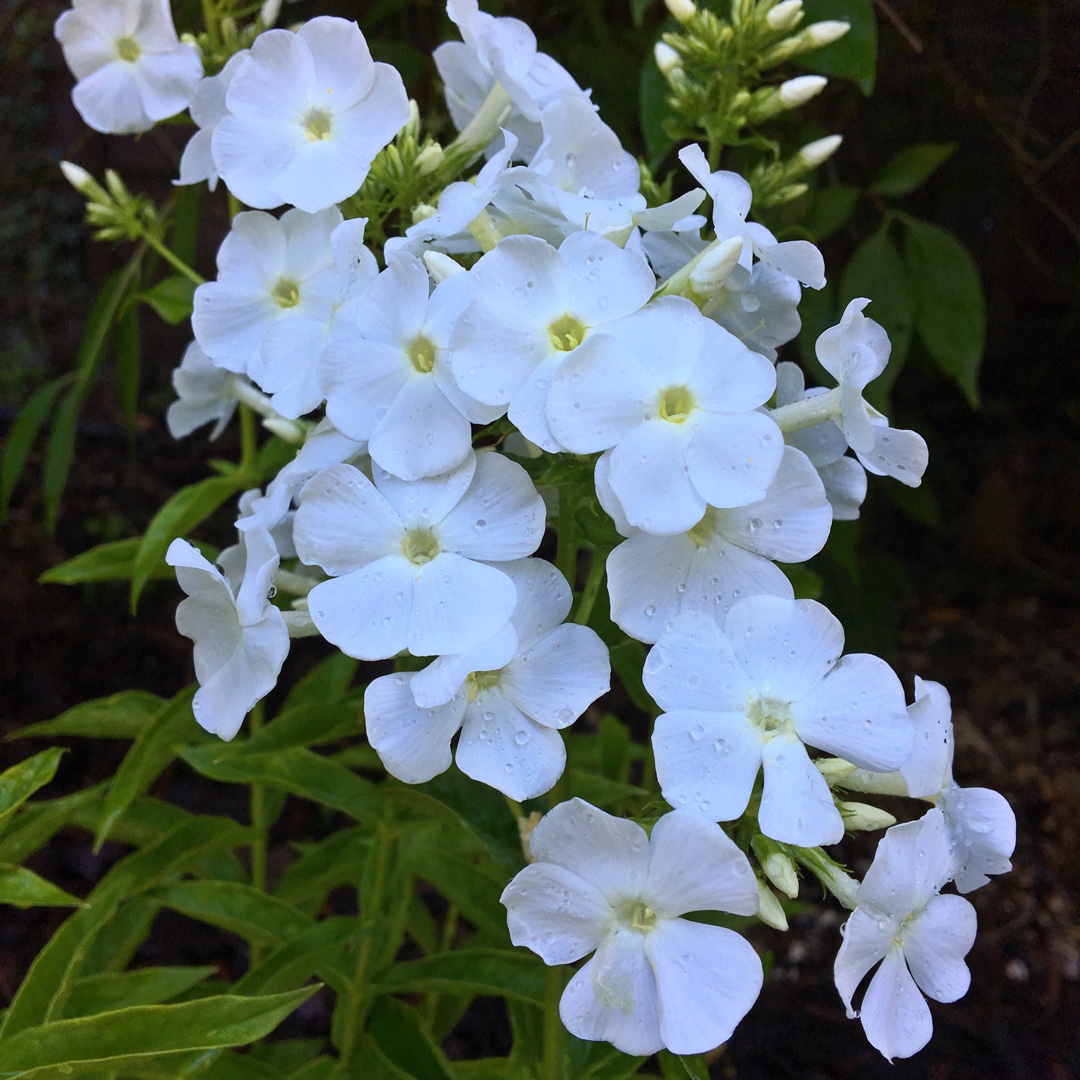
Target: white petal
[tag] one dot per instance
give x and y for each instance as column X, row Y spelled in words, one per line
column 367, row 613
column 544, row 599
column 902, row 454
column 895, row 1015
column 796, row 804
column 982, row 827
column 706, row 762
column 695, row 866
column 647, row 582
column 610, row 853
column 585, row 1016
column 413, row 743
column 109, row 100
column 502, row 747
column 707, row 978
column 457, row 603
column 868, row 936
column 845, row 487
column 786, row 647
column 928, row 768
column 444, row 677
column 733, row 458
column 553, row 912
column 913, row 861
column 935, row 944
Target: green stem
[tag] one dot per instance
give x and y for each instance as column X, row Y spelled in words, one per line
column 567, row 551
column 260, row 827
column 249, row 443
column 174, row 260
column 553, row 1064
column 592, row 587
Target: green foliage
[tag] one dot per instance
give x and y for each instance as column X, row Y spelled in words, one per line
column 854, row 56
column 910, row 168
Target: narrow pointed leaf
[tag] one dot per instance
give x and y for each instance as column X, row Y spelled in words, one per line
column 22, row 435
column 58, row 456
column 19, row 782
column 95, row 994
column 517, row 975
column 119, row 716
column 399, row 1034
column 23, row 888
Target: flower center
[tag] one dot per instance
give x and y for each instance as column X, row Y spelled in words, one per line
column 704, row 530
column 128, row 48
column 769, row 715
column 420, row 546
column 676, row 404
column 286, row 293
column 566, row 333
column 317, row 125
column 636, row 915
column 481, row 680
column 421, row 354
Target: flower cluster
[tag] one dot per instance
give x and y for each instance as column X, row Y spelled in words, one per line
column 545, row 302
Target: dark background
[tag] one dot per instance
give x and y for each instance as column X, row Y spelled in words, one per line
column 986, row 603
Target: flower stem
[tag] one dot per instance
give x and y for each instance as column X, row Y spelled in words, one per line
column 174, row 260
column 566, row 552
column 553, row 1065
column 592, row 587
column 260, row 827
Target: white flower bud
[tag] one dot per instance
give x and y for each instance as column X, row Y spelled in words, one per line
column 862, row 817
column 835, row 770
column 709, row 275
column 819, row 151
column 824, row 33
column 683, row 10
column 268, row 13
column 667, row 59
column 78, row 178
column 441, row 266
column 429, row 159
column 780, row 870
column 785, row 16
column 289, row 431
column 769, row 910
column 800, row 90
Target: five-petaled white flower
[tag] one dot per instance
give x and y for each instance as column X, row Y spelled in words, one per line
column 657, row 980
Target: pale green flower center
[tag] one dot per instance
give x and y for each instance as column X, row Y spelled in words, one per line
column 317, row 125
column 636, row 915
column 481, row 680
column 420, row 546
column 704, row 530
column 422, row 354
column 566, row 333
column 676, row 404
column 129, row 50
column 770, row 716
column 286, row 293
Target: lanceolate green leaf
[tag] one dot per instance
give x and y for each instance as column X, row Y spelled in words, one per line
column 189, row 507
column 519, row 975
column 19, row 782
column 23, row 888
column 124, row 1037
column 58, row 456
column 399, row 1034
column 119, row 716
column 172, row 298
column 114, row 561
column 37, row 822
column 950, row 311
column 128, row 364
column 94, row 994
column 22, row 435
column 910, row 168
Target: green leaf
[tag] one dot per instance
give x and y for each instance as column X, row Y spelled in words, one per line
column 854, row 56
column 310, row 724
column 112, row 948
column 38, row 822
column 123, row 1038
column 58, row 455
column 119, row 716
column 23, row 888
column 683, row 1066
column 152, row 750
column 241, row 909
column 184, row 226
column 517, row 975
column 99, row 324
column 327, row 682
column 831, row 210
column 950, row 311
column 911, row 167
column 22, row 435
column 128, row 365
column 638, row 8
column 600, row 791
column 297, row 770
column 877, row 270
column 337, row 860
column 57, row 965
column 806, row 584
column 173, row 298
column 114, row 561
column 614, row 1065
column 472, row 888
column 19, row 782
column 95, row 994
column 317, row 950
column 399, row 1034
column 189, row 507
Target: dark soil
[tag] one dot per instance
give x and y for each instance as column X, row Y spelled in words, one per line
column 987, row 603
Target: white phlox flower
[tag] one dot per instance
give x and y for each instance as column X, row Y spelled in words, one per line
column 207, row 110
column 754, row 694
column 308, row 112
column 920, row 937
column 324, row 446
column 132, row 69
column 981, row 825
column 530, row 308
column 727, row 555
column 508, row 696
column 204, row 394
column 389, row 382
column 409, row 561
column 500, row 51
column 731, row 196
column 290, row 352
column 656, row 980
column 761, row 310
column 673, row 396
column 824, row 444
column 855, row 352
column 269, row 269
column 241, row 639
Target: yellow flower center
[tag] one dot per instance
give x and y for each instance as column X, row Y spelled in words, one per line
column 676, row 404
column 420, row 546
column 422, row 354
column 286, row 293
column 704, row 530
column 129, row 50
column 566, row 333
column 317, row 125
column 481, row 680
